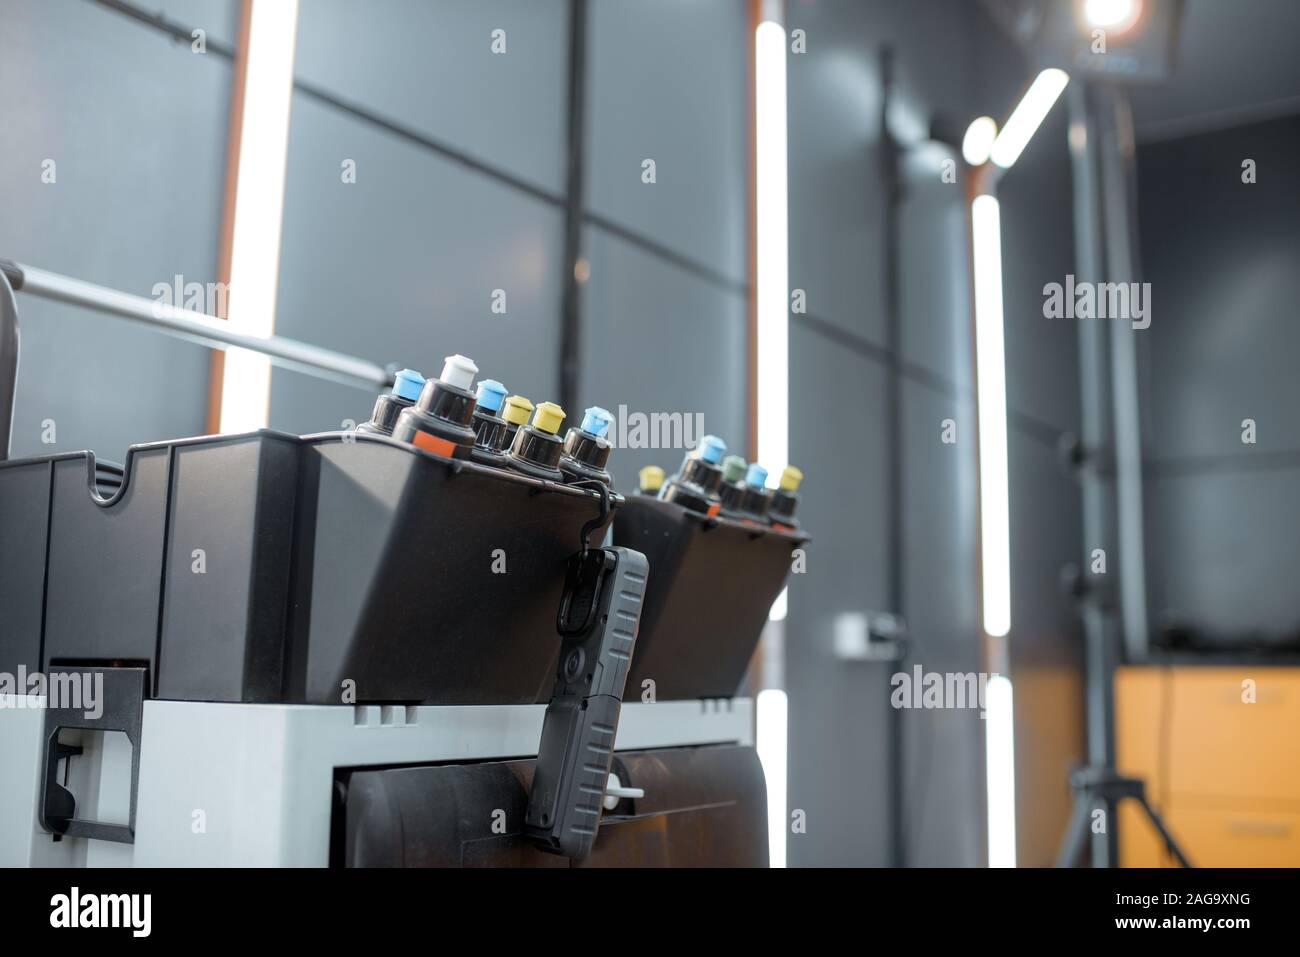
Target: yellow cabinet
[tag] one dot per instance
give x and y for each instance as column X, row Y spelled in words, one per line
column 1219, row 749
column 1237, row 838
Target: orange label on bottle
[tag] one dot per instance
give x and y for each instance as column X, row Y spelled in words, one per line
column 432, row 443
column 714, row 509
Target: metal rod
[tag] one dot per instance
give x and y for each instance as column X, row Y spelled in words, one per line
column 1117, row 192
column 200, row 328
column 892, row 186
column 1101, row 640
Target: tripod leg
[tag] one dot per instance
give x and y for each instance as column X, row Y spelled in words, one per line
column 1164, row 833
column 1076, row 832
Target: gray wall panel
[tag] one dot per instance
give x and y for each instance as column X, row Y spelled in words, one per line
column 838, row 709
column 835, row 201
column 136, row 125
column 940, row 509
column 1228, row 546
column 666, row 81
column 219, row 19
column 400, row 266
column 937, row 315
column 944, row 747
column 431, row 66
column 1221, row 257
column 657, row 339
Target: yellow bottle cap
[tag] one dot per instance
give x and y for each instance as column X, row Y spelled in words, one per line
column 548, row 417
column 651, row 478
column 790, row 478
column 516, row 410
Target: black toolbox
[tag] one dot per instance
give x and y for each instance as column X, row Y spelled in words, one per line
column 712, row 583
column 342, row 567
column 266, row 567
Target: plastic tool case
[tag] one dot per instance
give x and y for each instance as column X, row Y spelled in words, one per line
column 712, row 582
column 335, row 568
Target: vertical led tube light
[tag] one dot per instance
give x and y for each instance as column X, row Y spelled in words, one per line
column 772, row 292
column 771, row 737
column 772, row 260
column 990, row 364
column 259, row 209
column 999, row 744
column 772, row 299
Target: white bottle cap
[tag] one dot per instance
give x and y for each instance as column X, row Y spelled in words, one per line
column 459, row 371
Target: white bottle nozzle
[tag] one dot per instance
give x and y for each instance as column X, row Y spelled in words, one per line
column 459, row 371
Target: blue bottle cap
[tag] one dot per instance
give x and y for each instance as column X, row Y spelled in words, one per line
column 756, row 477
column 596, row 421
column 408, row 384
column 490, row 394
column 711, row 449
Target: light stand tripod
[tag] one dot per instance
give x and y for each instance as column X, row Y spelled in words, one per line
column 1105, row 787
column 1107, row 460
column 1099, row 785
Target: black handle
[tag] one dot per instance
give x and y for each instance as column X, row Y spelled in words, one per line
column 598, row 620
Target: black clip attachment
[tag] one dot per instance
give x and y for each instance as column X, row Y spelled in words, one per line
column 122, row 703
column 601, row 489
column 598, row 619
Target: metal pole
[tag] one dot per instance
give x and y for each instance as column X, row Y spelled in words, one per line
column 1099, row 626
column 892, row 186
column 197, row 327
column 1117, row 157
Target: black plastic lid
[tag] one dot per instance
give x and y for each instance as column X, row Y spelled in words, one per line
column 492, row 434
column 699, row 472
column 447, row 402
column 387, row 408
column 433, row 433
column 782, row 507
column 585, row 456
column 689, row 495
column 730, row 494
column 536, row 453
column 754, row 502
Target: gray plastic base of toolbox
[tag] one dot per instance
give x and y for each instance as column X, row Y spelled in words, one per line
column 250, row 784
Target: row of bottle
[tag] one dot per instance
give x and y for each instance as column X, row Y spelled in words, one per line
column 713, row 484
column 488, row 426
